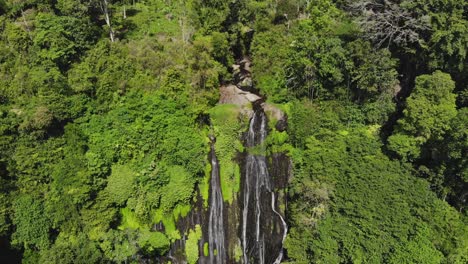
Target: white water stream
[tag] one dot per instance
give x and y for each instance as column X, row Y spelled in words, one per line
column 257, row 182
column 216, row 239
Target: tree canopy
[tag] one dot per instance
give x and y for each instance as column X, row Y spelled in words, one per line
column 109, row 110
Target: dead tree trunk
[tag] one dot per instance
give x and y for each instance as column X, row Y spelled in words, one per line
column 105, row 11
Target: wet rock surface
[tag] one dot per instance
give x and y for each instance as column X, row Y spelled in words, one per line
column 252, row 228
column 263, row 228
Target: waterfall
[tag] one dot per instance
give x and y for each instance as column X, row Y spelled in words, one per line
column 216, row 238
column 256, row 189
column 252, row 222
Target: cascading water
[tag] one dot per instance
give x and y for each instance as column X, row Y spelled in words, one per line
column 216, row 238
column 257, row 188
column 251, row 221
column 285, row 228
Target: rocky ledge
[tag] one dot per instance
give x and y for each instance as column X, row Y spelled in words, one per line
column 242, row 94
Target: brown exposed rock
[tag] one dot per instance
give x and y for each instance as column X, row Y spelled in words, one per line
column 274, row 112
column 232, row 95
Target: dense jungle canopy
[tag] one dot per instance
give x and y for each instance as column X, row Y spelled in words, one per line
column 107, row 108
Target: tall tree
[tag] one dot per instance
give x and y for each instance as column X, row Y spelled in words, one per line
column 428, row 113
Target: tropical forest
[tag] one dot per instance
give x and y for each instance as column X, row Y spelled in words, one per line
column 233, row 131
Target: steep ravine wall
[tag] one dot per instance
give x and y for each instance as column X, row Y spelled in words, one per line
column 247, row 223
column 263, row 228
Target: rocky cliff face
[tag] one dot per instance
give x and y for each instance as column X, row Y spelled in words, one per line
column 251, row 228
column 263, row 227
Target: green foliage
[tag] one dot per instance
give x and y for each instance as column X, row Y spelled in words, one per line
column 417, row 250
column 269, row 54
column 350, row 202
column 449, row 26
column 100, row 141
column 150, row 126
column 457, row 143
column 70, row 249
column 378, row 112
column 4, row 213
column 98, row 218
column 191, row 246
column 28, row 158
column 228, row 124
column 429, row 110
column 153, row 242
column 204, row 185
column 40, row 119
column 206, row 72
column 101, row 73
column 169, row 224
column 119, row 246
column 307, row 118
column 220, row 50
column 62, row 39
column 323, row 14
column 238, row 252
column 129, row 220
column 277, row 140
column 373, row 72
column 430, row 107
column 18, row 37
column 71, row 8
column 178, row 190
column 120, row 184
column 406, row 146
column 315, row 64
column 32, row 226
column 443, row 162
column 159, row 18
column 3, row 7
column 206, row 251
column 209, row 14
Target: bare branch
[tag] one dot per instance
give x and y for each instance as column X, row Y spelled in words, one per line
column 103, row 4
column 385, row 22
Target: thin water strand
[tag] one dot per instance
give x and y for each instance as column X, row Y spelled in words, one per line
column 216, row 239
column 285, row 229
column 257, row 182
